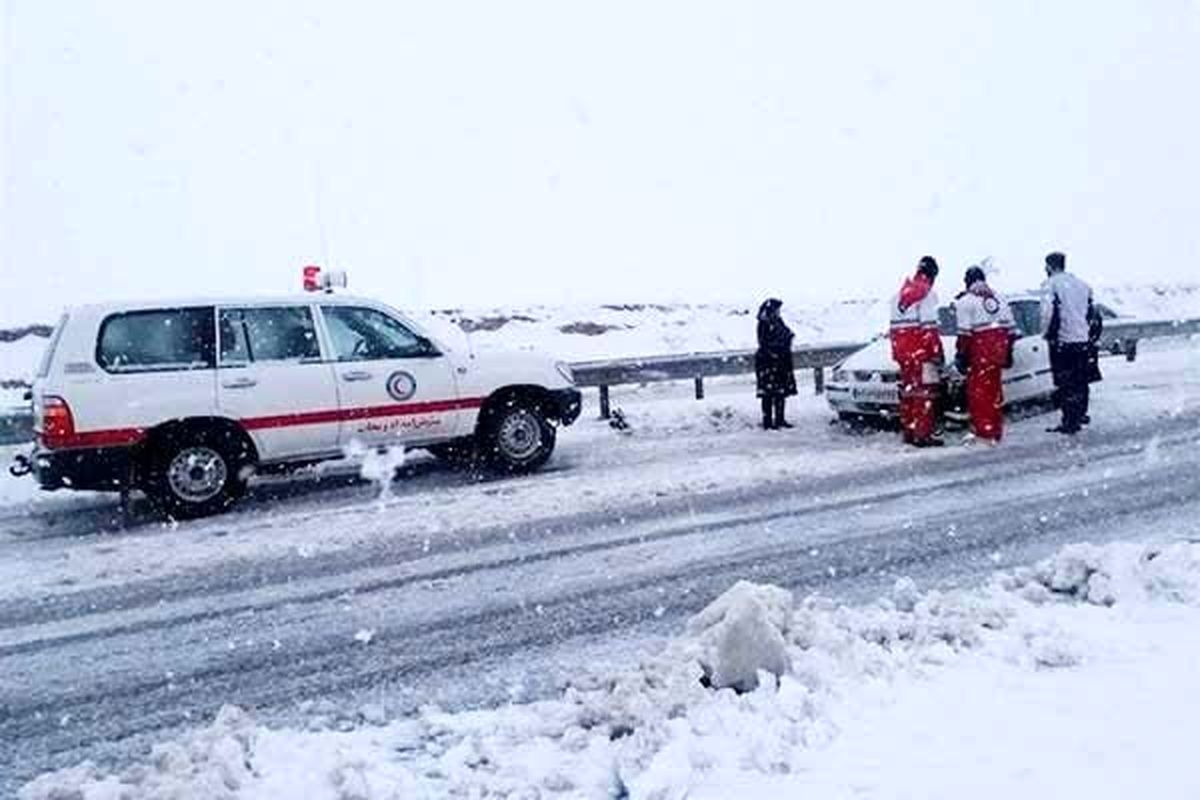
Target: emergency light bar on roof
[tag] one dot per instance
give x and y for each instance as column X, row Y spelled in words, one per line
column 316, row 280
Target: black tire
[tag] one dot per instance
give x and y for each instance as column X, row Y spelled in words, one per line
column 195, row 472
column 517, row 437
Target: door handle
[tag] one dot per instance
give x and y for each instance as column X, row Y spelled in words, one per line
column 358, row 375
column 240, row 383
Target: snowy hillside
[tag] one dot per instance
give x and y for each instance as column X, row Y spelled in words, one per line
column 584, row 332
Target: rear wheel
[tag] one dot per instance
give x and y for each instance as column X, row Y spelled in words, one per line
column 517, row 437
column 195, row 473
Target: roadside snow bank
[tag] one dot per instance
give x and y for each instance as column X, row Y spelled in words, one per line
column 813, row 678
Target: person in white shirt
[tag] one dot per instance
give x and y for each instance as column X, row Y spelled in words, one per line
column 1067, row 310
column 986, row 330
column 917, row 348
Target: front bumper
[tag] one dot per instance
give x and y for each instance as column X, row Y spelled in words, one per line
column 849, row 399
column 96, row 469
column 844, row 400
column 566, row 405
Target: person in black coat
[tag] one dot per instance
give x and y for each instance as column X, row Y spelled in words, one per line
column 773, row 365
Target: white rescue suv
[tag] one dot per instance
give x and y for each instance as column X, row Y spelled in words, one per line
column 185, row 400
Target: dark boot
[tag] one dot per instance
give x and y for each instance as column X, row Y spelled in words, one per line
column 780, row 404
column 768, row 414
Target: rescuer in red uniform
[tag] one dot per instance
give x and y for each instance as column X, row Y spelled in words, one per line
column 917, row 348
column 986, row 329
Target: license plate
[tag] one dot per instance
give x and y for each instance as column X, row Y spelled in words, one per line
column 876, row 394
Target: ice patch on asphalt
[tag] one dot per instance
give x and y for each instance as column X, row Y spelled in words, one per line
column 803, row 680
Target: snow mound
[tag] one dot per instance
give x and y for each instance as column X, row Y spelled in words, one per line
column 754, row 685
column 214, row 762
column 742, row 633
column 1105, row 576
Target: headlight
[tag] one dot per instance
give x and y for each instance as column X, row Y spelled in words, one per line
column 564, row 369
column 840, row 376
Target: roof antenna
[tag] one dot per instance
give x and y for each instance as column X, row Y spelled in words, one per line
column 319, row 217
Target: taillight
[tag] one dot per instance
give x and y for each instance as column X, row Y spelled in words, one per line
column 58, row 425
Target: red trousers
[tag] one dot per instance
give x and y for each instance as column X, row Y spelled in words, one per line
column 918, row 402
column 987, row 352
column 985, row 400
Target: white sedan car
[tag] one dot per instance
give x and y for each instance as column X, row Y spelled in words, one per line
column 866, row 385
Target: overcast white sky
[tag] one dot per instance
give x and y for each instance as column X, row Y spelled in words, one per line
column 494, row 153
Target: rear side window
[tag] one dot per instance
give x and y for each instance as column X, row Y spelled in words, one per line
column 283, row 333
column 157, row 341
column 51, row 347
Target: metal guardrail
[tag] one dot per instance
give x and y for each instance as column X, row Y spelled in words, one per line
column 1120, row 338
column 1118, row 333
column 16, row 427
column 698, row 366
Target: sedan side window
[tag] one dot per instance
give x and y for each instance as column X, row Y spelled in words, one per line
column 284, row 333
column 1028, row 316
column 364, row 334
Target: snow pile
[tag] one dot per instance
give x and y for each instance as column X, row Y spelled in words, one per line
column 665, row 730
column 213, row 763
column 378, row 466
column 1105, row 576
column 741, row 634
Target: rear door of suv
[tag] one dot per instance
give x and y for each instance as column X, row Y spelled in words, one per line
column 157, row 365
column 272, row 377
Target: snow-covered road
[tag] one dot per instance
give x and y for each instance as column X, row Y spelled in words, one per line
column 467, row 593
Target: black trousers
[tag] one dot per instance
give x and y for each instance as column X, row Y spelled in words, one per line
column 1070, row 363
column 773, row 409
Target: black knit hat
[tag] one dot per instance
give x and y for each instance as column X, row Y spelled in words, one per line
column 1056, row 261
column 927, row 266
column 974, row 275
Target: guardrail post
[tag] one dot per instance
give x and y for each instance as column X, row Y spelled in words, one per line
column 819, row 380
column 699, row 388
column 605, row 409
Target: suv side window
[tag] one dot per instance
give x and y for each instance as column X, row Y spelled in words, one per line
column 158, row 340
column 364, row 334
column 279, row 333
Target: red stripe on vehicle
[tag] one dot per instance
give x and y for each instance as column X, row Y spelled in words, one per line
column 124, row 437
column 367, row 412
column 121, row 437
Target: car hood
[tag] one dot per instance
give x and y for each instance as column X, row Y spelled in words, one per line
column 877, row 356
column 491, row 367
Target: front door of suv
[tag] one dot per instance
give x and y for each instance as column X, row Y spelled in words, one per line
column 395, row 387
column 271, row 377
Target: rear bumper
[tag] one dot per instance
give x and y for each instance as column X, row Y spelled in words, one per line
column 97, row 469
column 566, row 405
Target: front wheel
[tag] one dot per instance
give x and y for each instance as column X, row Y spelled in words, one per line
column 194, row 474
column 518, row 438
